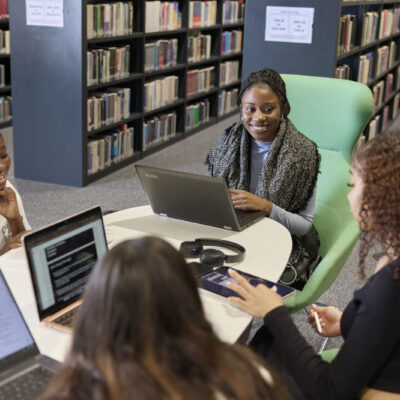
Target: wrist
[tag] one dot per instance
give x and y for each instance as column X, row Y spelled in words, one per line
column 267, row 207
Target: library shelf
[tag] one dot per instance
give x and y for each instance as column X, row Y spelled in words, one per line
column 231, row 84
column 231, row 55
column 202, row 94
column 112, row 82
column 4, row 89
column 165, row 70
column 5, row 124
column 164, row 108
column 211, row 59
column 337, row 24
column 57, row 87
column 131, row 118
column 159, row 146
column 101, row 40
column 114, row 167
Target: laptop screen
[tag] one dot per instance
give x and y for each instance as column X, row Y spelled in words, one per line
column 14, row 334
column 61, row 258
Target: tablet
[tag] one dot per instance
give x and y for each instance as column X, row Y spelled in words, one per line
column 217, row 282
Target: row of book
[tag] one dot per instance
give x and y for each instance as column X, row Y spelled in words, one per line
column 112, row 19
column 200, row 80
column 227, row 101
column 382, row 91
column 380, row 25
column 343, row 71
column 347, row 33
column 5, row 108
column 104, row 65
column 198, row 47
column 375, row 64
column 232, row 11
column 160, row 55
column 197, row 114
column 160, row 92
column 4, row 42
column 2, row 75
column 231, row 42
column 4, row 13
column 162, row 16
column 202, row 13
column 375, row 25
column 107, row 108
column 158, row 129
column 107, row 149
column 228, row 72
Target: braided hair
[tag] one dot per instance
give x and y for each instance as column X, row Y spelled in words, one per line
column 271, row 78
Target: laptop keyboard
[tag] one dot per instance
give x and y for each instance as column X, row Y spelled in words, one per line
column 244, row 217
column 67, row 319
column 27, row 386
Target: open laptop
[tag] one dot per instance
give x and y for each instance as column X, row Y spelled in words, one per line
column 194, row 198
column 24, row 372
column 61, row 257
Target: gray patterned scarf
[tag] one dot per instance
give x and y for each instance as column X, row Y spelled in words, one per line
column 289, row 174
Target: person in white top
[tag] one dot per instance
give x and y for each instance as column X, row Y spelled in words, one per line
column 13, row 222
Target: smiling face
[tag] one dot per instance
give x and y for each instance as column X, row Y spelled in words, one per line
column 261, row 112
column 5, row 162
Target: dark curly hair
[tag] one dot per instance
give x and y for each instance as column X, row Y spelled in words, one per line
column 271, row 78
column 378, row 164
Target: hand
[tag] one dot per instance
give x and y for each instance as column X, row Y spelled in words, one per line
column 13, row 243
column 243, row 200
column 329, row 318
column 8, row 204
column 257, row 301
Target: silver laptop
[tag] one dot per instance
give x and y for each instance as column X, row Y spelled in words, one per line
column 61, row 257
column 195, row 198
column 24, row 372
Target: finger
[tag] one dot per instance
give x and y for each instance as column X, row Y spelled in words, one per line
column 240, row 279
column 14, row 245
column 234, row 191
column 318, row 309
column 274, row 288
column 239, row 290
column 241, row 303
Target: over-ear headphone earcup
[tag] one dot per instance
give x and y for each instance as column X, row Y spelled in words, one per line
column 212, row 257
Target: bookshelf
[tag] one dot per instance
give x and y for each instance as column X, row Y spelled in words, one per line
column 5, row 76
column 67, row 122
column 357, row 40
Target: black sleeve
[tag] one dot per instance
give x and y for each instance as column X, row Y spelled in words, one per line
column 372, row 338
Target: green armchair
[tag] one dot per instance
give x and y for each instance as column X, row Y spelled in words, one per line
column 332, row 113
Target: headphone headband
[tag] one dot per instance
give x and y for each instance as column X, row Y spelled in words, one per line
column 193, row 249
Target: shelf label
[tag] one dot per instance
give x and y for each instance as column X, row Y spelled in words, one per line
column 45, row 13
column 289, row 24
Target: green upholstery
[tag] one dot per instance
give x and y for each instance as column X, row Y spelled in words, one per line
column 329, row 355
column 332, row 113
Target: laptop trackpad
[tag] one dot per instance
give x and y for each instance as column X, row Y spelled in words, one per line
column 172, row 228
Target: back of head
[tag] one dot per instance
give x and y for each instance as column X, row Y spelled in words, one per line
column 378, row 164
column 142, row 333
column 271, row 78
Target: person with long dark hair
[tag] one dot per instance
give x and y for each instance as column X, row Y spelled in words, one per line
column 142, row 334
column 368, row 363
column 270, row 166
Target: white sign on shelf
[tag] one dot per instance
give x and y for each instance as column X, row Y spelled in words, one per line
column 289, row 24
column 45, row 13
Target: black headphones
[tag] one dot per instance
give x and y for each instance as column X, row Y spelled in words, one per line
column 212, row 257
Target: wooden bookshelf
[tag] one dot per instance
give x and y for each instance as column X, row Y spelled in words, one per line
column 321, row 57
column 50, row 102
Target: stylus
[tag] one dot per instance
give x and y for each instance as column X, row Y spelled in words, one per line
column 318, row 322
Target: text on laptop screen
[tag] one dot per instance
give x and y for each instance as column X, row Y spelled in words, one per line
column 62, row 264
column 14, row 334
